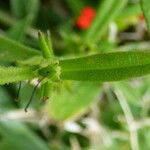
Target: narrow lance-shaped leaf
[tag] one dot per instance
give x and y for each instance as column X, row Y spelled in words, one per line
column 106, row 67
column 26, row 11
column 17, row 8
column 146, row 10
column 107, row 11
column 14, row 51
column 17, row 32
column 20, row 9
column 15, row 74
column 18, row 136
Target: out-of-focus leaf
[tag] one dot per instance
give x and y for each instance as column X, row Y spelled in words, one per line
column 16, row 136
column 129, row 16
column 5, row 100
column 131, row 93
column 146, row 10
column 26, row 10
column 132, row 96
column 134, row 9
column 22, row 8
column 6, row 18
column 106, row 12
column 144, row 135
column 17, row 32
column 107, row 66
column 109, row 112
column 68, row 103
column 17, row 8
column 11, row 51
column 75, row 6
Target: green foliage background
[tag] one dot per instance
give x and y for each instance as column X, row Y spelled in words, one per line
column 78, row 115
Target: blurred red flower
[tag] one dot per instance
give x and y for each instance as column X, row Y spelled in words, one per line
column 141, row 18
column 85, row 19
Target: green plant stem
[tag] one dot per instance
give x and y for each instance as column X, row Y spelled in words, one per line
column 129, row 118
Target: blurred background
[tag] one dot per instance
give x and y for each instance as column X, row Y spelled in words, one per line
column 79, row 115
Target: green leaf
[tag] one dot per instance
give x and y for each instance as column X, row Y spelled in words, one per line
column 22, row 8
column 107, row 67
column 68, row 102
column 106, row 12
column 18, row 30
column 17, row 8
column 146, row 10
column 131, row 10
column 17, row 136
column 15, row 74
column 6, row 19
column 11, row 51
column 128, row 16
column 5, row 99
column 26, row 11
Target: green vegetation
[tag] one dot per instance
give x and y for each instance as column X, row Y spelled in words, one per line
column 81, row 68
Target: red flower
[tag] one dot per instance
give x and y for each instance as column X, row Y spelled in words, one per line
column 88, row 12
column 141, row 18
column 85, row 19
